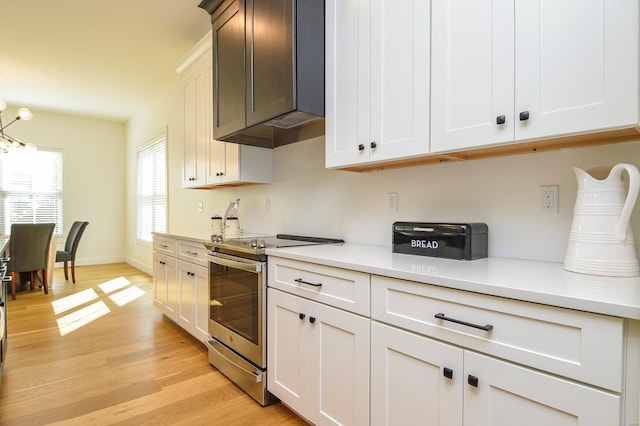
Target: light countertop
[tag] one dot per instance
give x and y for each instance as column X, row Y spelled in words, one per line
column 533, row 281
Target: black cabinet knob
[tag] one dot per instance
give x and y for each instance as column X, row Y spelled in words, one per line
column 448, row 373
column 312, row 319
column 473, row 381
column 373, row 145
column 501, row 119
column 361, row 147
column 524, row 115
column 301, row 315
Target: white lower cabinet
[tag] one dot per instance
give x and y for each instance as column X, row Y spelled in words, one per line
column 318, row 360
column 416, row 380
column 181, row 283
column 165, row 285
column 427, row 365
column 193, row 293
column 507, row 394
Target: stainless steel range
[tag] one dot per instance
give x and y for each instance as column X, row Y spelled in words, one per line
column 237, row 314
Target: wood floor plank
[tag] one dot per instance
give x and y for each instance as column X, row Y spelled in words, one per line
column 127, row 365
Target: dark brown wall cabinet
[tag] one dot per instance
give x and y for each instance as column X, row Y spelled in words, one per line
column 268, row 70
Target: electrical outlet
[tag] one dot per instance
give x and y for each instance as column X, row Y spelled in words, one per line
column 549, row 198
column 200, row 207
column 392, row 202
column 267, row 205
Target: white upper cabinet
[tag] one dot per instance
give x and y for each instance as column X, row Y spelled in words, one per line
column 377, row 80
column 196, row 84
column 518, row 70
column 208, row 162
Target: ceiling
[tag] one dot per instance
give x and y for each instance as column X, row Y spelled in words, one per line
column 102, row 59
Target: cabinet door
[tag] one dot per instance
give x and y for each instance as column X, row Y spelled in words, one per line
column 165, row 285
column 508, row 395
column 347, row 82
column 377, row 80
column 228, row 68
column 338, row 366
column 269, row 59
column 217, row 167
column 287, row 350
column 186, row 287
column 400, row 61
column 196, row 124
column 201, row 302
column 409, row 383
column 472, row 74
column 576, row 66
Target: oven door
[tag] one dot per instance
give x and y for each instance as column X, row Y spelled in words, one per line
column 237, row 305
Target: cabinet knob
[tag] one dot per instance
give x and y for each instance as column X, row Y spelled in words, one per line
column 361, row 147
column 373, row 145
column 524, row 115
column 301, row 315
column 312, row 319
column 448, row 373
column 472, row 380
column 501, row 119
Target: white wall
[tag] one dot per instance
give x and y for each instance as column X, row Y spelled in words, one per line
column 308, row 199
column 93, row 177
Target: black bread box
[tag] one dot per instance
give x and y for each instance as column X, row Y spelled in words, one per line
column 462, row 241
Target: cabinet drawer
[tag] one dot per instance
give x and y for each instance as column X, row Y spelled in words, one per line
column 337, row 287
column 575, row 344
column 193, row 252
column 164, row 245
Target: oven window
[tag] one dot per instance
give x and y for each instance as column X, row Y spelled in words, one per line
column 234, row 300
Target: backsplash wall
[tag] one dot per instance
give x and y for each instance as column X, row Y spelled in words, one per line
column 305, row 198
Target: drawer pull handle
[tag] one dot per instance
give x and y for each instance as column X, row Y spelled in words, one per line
column 472, row 380
column 442, row 316
column 448, row 373
column 301, row 281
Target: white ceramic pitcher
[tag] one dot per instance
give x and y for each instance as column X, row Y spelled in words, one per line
column 601, row 241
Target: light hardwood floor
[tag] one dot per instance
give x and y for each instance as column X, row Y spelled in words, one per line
column 127, row 365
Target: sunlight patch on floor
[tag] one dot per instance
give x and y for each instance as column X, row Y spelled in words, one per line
column 86, row 315
column 82, row 317
column 73, row 301
column 114, row 284
column 123, row 297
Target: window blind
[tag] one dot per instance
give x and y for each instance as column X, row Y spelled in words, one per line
column 152, row 189
column 31, row 188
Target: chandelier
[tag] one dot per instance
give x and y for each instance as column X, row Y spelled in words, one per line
column 9, row 143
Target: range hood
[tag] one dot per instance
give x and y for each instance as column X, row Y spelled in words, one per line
column 268, row 70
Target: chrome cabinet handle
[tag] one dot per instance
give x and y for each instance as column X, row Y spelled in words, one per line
column 301, row 281
column 443, row 317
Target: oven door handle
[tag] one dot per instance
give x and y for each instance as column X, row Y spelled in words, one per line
column 254, row 267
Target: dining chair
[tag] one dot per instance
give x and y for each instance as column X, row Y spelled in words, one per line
column 29, row 251
column 70, row 248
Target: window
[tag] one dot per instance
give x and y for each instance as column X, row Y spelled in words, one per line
column 31, row 188
column 152, row 189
